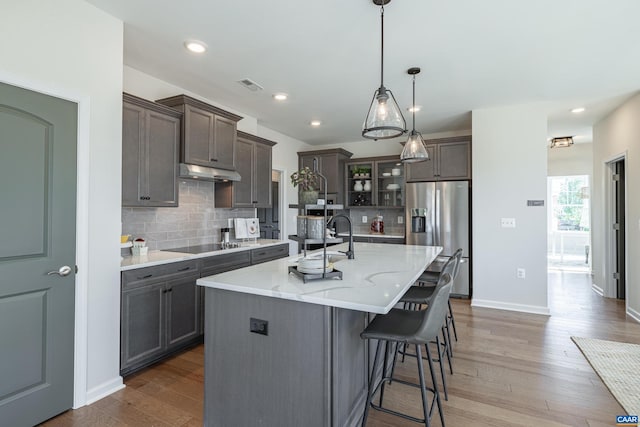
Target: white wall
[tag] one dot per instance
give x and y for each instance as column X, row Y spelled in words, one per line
column 618, row 134
column 509, row 167
column 574, row 160
column 72, row 50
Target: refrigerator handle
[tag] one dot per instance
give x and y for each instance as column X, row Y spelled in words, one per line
column 436, row 229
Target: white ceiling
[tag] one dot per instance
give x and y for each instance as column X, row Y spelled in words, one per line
column 326, row 56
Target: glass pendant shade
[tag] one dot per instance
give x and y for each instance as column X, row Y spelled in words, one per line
column 414, row 149
column 384, row 119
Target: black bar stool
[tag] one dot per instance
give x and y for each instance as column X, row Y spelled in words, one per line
column 415, row 298
column 409, row 327
column 429, row 280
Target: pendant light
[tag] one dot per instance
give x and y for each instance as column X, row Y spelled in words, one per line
column 414, row 149
column 384, row 119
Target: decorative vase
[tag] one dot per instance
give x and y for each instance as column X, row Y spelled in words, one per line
column 308, row 197
column 367, row 185
column 358, row 186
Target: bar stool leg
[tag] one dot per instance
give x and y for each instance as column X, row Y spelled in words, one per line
column 371, row 384
column 453, row 321
column 384, row 371
column 423, row 388
column 447, row 344
column 441, row 363
column 435, row 389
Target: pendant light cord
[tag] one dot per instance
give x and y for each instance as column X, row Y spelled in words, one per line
column 413, row 109
column 382, row 45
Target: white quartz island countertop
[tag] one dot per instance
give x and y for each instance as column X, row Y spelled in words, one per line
column 372, row 282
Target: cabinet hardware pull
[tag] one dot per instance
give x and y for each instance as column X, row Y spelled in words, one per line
column 213, row 160
column 170, row 290
column 146, row 277
column 184, row 269
column 164, row 291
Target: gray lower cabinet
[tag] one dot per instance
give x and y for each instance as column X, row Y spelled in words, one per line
column 162, row 308
column 450, row 159
column 160, row 313
column 150, row 142
column 269, row 253
column 253, row 156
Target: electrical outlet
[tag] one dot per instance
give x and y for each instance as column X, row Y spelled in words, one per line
column 521, row 273
column 508, row 222
column 400, row 219
column 258, row 326
column 364, row 219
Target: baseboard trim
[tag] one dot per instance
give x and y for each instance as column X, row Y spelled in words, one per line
column 635, row 315
column 597, row 289
column 534, row 309
column 104, row 390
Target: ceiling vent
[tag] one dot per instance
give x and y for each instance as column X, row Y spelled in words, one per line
column 562, row 142
column 250, row 84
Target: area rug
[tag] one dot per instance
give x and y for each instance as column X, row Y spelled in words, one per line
column 618, row 365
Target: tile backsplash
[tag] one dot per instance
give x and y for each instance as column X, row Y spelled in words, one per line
column 196, row 221
column 389, row 216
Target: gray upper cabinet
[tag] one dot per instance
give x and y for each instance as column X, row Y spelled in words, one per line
column 208, row 133
column 450, row 159
column 331, row 165
column 254, row 166
column 150, row 142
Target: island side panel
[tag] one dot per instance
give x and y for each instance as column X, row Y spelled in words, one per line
column 281, row 379
column 350, row 366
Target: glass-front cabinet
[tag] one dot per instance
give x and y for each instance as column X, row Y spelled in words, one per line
column 360, row 192
column 390, row 183
column 375, row 182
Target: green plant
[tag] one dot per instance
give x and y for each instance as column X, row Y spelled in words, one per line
column 306, row 179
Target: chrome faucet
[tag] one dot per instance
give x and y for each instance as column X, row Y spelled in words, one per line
column 349, row 252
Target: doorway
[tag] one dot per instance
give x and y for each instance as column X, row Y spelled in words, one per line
column 569, row 223
column 618, row 208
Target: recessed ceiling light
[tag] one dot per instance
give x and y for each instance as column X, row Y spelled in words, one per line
column 279, row 96
column 195, row 46
column 578, row 110
column 415, row 108
column 315, row 123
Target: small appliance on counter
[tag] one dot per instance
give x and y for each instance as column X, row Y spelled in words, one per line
column 377, row 225
column 139, row 247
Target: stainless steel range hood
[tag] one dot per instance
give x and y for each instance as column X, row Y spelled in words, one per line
column 207, row 174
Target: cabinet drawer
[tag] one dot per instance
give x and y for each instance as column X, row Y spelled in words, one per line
column 141, row 276
column 268, row 254
column 227, row 262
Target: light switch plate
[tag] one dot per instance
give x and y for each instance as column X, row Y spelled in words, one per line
column 508, row 222
column 364, row 219
column 400, row 219
column 521, row 273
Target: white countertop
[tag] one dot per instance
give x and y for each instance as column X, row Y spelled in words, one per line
column 373, row 282
column 164, row 257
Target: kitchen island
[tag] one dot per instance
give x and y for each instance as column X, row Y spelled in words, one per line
column 280, row 352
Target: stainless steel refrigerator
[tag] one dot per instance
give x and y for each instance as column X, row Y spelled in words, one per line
column 437, row 214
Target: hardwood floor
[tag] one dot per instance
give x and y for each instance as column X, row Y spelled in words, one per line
column 510, row 369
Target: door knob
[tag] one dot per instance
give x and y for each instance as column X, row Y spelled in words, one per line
column 63, row 271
